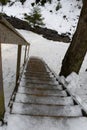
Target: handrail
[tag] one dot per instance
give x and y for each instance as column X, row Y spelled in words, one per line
column 9, row 35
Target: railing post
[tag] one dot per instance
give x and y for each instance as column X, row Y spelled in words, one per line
column 28, row 50
column 18, row 63
column 2, row 104
column 25, row 54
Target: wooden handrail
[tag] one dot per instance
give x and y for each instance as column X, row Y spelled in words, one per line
column 25, row 54
column 9, row 35
column 18, row 63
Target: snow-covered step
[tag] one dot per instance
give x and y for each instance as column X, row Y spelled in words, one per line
column 40, row 69
column 40, row 100
column 39, row 86
column 24, row 98
column 39, row 78
column 46, row 110
column 42, row 92
column 21, row 122
column 37, row 75
column 39, row 82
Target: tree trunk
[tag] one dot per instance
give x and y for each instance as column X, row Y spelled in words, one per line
column 77, row 50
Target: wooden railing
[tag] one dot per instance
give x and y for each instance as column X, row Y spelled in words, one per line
column 9, row 35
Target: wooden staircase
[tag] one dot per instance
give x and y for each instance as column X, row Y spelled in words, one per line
column 41, row 99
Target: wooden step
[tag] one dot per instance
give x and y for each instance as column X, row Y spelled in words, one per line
column 24, row 98
column 46, row 110
column 39, row 69
column 41, row 92
column 43, row 87
column 38, row 72
column 37, row 75
column 38, row 78
column 26, row 81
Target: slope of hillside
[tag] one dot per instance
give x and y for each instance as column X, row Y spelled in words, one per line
column 64, row 20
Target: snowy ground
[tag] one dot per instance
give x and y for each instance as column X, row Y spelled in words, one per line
column 9, row 61
column 64, row 20
column 52, row 53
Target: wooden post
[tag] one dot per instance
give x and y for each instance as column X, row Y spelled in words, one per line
column 2, row 104
column 28, row 51
column 25, row 54
column 18, row 63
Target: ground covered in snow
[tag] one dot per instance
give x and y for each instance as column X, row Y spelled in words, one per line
column 63, row 20
column 51, row 52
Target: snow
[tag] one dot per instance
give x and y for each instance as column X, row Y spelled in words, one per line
column 52, row 53
column 77, row 85
column 9, row 55
column 45, row 123
column 44, row 49
column 9, row 62
column 53, row 20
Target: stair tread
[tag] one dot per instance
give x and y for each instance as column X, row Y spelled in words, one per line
column 38, row 72
column 41, row 92
column 43, row 75
column 39, row 82
column 39, row 86
column 38, row 78
column 24, row 98
column 45, row 110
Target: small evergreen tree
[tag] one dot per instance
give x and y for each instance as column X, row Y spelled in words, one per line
column 35, row 18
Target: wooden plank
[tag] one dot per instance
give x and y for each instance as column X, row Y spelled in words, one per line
column 46, row 110
column 47, row 100
column 18, row 63
column 2, row 106
column 25, row 54
column 42, row 87
column 42, row 92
